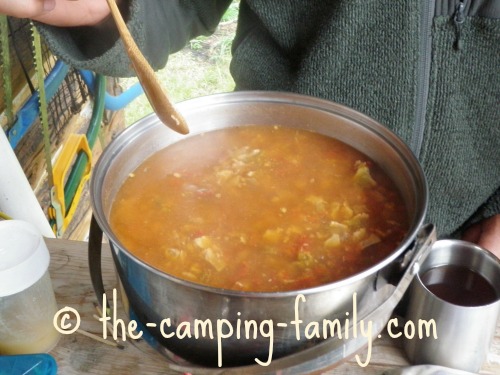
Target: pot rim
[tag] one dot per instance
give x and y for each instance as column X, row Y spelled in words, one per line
column 151, row 120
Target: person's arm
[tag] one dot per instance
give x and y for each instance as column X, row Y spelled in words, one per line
column 159, row 28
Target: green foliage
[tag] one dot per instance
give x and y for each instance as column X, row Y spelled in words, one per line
column 232, row 12
column 197, row 43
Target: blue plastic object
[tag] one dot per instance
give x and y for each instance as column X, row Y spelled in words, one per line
column 27, row 115
column 28, row 364
column 113, row 102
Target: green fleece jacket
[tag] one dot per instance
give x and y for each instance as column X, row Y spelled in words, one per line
column 429, row 70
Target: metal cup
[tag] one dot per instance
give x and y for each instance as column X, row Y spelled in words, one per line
column 454, row 324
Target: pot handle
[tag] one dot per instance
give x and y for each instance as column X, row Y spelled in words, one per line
column 94, row 258
column 333, row 351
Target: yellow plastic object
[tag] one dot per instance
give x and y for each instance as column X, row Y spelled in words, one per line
column 75, row 144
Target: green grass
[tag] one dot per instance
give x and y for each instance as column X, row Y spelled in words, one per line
column 201, row 68
column 232, row 12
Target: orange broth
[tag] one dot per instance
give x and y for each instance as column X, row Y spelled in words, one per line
column 259, row 208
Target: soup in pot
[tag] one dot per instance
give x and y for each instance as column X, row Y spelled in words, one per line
column 259, row 208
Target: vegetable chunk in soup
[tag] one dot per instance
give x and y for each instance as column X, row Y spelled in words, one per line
column 259, row 208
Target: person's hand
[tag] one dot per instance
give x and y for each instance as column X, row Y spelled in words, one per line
column 62, row 13
column 485, row 233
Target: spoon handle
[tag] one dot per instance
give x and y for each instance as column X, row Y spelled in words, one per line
column 158, row 99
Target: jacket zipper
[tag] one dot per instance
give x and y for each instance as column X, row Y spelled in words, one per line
column 458, row 20
column 423, row 75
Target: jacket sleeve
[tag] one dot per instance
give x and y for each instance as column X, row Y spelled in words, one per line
column 159, row 28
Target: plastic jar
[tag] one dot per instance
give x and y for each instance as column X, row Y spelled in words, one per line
column 27, row 301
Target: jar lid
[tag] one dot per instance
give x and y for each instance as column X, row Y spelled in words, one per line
column 24, row 257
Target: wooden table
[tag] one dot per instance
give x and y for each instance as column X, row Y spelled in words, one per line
column 79, row 354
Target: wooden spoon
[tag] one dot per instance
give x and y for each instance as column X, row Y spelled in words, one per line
column 158, row 99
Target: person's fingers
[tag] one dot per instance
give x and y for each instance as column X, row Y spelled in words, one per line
column 25, row 8
column 490, row 235
column 49, row 5
column 486, row 234
column 472, row 233
column 62, row 13
column 67, row 13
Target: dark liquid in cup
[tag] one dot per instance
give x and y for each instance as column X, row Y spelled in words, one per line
column 459, row 285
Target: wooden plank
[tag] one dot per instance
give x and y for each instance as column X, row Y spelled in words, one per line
column 22, row 71
column 20, row 90
column 77, row 354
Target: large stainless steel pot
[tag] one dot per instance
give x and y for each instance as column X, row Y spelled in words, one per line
column 154, row 296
